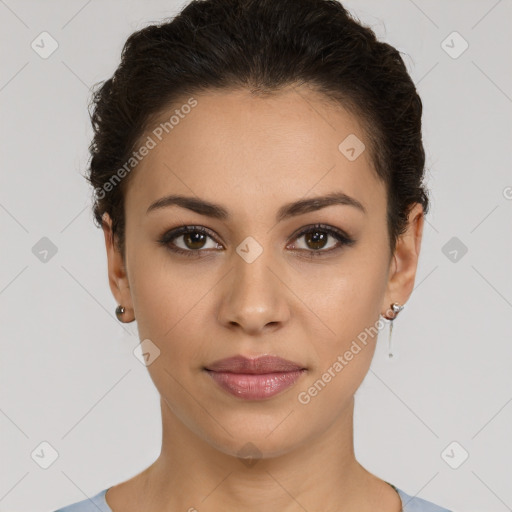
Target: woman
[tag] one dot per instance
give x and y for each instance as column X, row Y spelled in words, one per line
column 258, row 168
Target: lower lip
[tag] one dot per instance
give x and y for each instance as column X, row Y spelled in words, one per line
column 255, row 387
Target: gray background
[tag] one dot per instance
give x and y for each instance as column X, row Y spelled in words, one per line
column 68, row 374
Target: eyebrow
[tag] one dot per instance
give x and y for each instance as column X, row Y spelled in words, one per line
column 288, row 210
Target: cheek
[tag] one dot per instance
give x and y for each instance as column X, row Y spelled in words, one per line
column 172, row 312
column 156, row 302
column 164, row 295
column 346, row 297
column 346, row 303
column 344, row 351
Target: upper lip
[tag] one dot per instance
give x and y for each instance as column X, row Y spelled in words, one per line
column 258, row 365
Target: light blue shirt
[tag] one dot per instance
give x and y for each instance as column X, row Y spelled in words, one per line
column 98, row 503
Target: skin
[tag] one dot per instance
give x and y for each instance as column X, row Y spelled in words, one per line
column 252, row 155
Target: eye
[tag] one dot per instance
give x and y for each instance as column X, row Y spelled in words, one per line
column 192, row 243
column 317, row 236
column 192, row 240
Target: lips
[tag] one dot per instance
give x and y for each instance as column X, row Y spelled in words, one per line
column 255, row 379
column 259, row 365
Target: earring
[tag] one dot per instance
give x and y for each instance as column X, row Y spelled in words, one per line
column 119, row 312
column 396, row 308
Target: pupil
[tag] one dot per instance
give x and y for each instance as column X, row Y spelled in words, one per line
column 317, row 238
column 195, row 237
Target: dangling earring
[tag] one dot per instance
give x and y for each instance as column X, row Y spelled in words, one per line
column 396, row 308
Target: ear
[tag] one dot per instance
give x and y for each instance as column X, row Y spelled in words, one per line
column 117, row 277
column 404, row 263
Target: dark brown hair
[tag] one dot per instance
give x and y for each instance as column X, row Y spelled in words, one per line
column 261, row 46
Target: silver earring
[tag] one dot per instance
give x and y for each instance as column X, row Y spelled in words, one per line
column 119, row 312
column 396, row 308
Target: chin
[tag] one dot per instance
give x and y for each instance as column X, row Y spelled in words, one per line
column 255, row 441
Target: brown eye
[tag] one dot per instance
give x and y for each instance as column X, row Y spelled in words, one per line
column 316, row 239
column 194, row 240
column 319, row 240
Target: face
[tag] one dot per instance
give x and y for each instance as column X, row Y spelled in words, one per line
column 304, row 283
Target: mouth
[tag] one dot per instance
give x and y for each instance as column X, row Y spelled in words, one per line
column 255, row 378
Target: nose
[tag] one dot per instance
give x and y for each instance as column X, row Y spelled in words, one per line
column 254, row 296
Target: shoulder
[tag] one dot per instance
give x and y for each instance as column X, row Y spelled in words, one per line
column 415, row 504
column 97, row 503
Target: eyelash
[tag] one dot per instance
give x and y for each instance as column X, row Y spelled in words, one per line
column 343, row 239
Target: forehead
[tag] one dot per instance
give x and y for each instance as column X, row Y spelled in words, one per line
column 236, row 149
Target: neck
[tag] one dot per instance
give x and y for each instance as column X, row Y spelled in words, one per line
column 191, row 474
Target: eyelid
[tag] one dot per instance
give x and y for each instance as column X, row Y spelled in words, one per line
column 323, row 227
column 344, row 239
column 173, row 233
